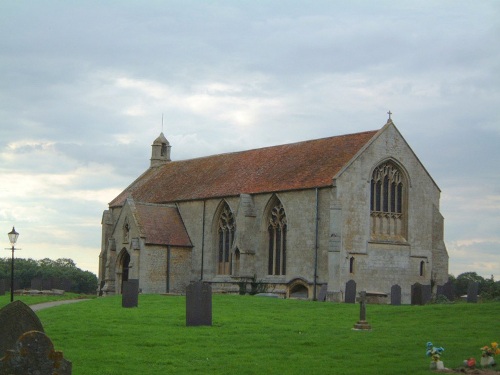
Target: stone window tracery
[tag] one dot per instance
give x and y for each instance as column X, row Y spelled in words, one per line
column 277, row 230
column 387, row 201
column 226, row 230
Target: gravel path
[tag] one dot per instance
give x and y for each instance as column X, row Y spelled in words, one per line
column 46, row 305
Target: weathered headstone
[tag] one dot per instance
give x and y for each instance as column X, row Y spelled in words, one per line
column 472, row 291
column 426, row 293
column 198, row 304
column 447, row 290
column 362, row 324
column 322, row 293
column 396, row 295
column 16, row 318
column 2, row 287
column 416, row 294
column 130, row 293
column 350, row 292
column 34, row 354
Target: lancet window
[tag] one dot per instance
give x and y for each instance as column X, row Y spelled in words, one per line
column 226, row 230
column 387, row 203
column 277, row 229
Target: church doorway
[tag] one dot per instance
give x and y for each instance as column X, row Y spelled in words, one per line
column 123, row 268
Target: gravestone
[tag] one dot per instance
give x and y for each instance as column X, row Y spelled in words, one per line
column 416, row 294
column 362, row 324
column 396, row 295
column 198, row 304
column 322, row 293
column 447, row 290
column 472, row 292
column 16, row 318
column 34, row 354
column 130, row 293
column 2, row 287
column 426, row 293
column 350, row 292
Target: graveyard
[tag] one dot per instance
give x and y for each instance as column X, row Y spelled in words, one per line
column 262, row 335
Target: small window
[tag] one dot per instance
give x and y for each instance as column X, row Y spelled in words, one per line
column 422, row 268
column 351, row 265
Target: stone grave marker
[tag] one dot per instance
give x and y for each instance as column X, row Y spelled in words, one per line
column 396, row 295
column 362, row 324
column 350, row 292
column 198, row 304
column 447, row 290
column 426, row 293
column 322, row 293
column 472, row 290
column 130, row 293
column 34, row 354
column 416, row 294
column 16, row 318
column 2, row 287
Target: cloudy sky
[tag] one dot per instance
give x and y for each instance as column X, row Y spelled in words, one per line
column 84, row 84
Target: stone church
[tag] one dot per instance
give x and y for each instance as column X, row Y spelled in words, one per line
column 291, row 219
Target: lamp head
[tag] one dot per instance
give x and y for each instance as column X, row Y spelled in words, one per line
column 13, row 236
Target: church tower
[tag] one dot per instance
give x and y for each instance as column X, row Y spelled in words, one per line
column 160, row 151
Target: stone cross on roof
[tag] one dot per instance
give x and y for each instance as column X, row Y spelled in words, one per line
column 389, row 113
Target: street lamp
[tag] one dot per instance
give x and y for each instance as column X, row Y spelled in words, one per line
column 13, row 239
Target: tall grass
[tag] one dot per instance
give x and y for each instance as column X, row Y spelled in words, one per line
column 257, row 335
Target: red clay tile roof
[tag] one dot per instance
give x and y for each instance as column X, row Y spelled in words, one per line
column 294, row 166
column 162, row 225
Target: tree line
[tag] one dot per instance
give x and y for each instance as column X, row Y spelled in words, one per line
column 26, row 270
column 488, row 288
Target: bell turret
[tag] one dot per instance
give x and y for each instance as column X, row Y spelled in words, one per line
column 160, row 151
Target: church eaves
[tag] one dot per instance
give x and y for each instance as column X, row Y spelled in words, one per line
column 295, row 166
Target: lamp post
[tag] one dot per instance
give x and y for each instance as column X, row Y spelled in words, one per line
column 13, row 239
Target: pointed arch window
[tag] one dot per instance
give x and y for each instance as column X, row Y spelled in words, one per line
column 226, row 230
column 277, row 230
column 387, row 202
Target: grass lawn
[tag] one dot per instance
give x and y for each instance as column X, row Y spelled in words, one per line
column 259, row 335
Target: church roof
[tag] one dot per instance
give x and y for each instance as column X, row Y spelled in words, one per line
column 162, row 225
column 295, row 166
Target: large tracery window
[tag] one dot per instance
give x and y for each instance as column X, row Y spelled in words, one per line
column 226, row 231
column 387, row 203
column 277, row 240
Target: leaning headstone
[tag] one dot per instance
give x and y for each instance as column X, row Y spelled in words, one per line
column 416, row 294
column 472, row 291
column 396, row 295
column 130, row 293
column 2, row 287
column 322, row 293
column 34, row 354
column 15, row 319
column 350, row 292
column 198, row 304
column 362, row 324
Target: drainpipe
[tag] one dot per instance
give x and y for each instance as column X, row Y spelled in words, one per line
column 202, row 241
column 168, row 268
column 316, row 246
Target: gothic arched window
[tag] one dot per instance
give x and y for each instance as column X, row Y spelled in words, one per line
column 387, row 202
column 226, row 229
column 277, row 240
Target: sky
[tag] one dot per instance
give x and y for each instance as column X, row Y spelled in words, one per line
column 84, row 86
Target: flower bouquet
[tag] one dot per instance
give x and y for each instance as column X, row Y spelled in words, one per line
column 488, row 353
column 435, row 354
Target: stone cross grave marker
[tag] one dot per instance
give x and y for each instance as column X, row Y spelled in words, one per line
column 15, row 319
column 198, row 304
column 472, row 291
column 34, row 354
column 130, row 293
column 396, row 295
column 350, row 292
column 362, row 324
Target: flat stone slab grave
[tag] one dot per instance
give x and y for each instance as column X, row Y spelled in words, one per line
column 198, row 304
